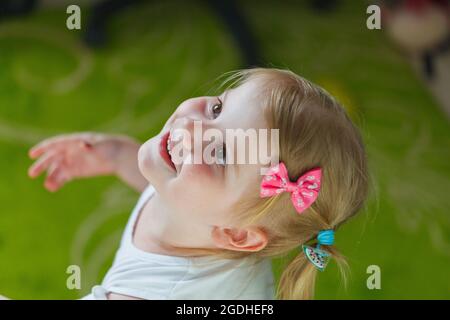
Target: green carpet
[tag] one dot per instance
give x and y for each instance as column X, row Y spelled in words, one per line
column 160, row 54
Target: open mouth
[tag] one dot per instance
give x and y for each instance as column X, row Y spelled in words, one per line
column 164, row 150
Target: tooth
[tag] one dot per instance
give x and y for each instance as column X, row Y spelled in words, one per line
column 168, row 145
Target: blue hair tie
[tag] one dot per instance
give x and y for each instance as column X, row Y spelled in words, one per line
column 325, row 237
column 317, row 256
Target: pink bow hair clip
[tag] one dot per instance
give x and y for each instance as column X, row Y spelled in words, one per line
column 303, row 192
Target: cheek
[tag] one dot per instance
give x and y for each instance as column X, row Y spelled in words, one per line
column 200, row 180
column 200, row 172
column 197, row 189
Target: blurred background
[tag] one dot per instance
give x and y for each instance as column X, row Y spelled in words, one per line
column 133, row 62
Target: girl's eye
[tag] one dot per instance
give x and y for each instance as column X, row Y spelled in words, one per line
column 216, row 109
column 221, row 155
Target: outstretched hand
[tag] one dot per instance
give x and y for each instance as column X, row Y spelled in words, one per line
column 70, row 156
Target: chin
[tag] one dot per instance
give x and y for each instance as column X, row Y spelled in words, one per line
column 152, row 166
column 146, row 160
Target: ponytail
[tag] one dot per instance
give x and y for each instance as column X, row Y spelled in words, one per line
column 298, row 280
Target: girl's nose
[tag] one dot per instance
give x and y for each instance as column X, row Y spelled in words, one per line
column 189, row 131
column 193, row 108
column 186, row 123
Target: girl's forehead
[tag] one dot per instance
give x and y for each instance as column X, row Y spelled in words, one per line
column 242, row 108
column 247, row 91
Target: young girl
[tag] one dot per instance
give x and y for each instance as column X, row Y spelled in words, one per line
column 208, row 231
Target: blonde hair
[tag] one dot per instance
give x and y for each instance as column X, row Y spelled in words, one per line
column 314, row 131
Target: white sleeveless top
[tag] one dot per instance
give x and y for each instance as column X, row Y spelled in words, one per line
column 151, row 276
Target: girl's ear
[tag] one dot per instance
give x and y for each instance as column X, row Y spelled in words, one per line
column 250, row 239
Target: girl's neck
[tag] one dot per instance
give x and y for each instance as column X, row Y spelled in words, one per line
column 162, row 231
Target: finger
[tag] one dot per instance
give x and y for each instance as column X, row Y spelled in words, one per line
column 52, row 143
column 40, row 148
column 55, row 179
column 42, row 164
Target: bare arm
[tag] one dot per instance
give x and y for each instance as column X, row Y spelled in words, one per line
column 87, row 154
column 127, row 164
